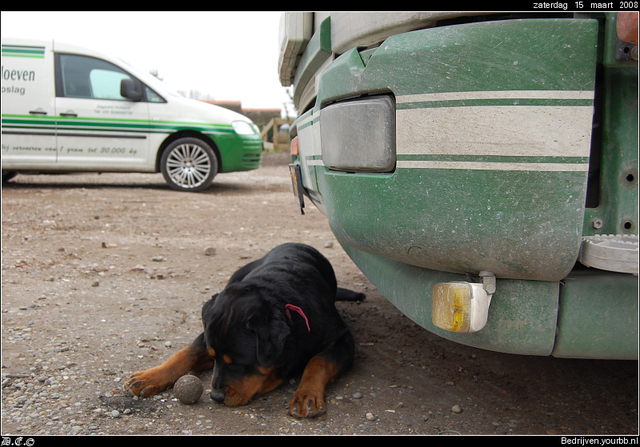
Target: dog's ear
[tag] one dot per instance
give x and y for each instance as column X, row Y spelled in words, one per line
column 206, row 307
column 271, row 333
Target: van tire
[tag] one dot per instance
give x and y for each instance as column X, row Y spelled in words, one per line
column 189, row 164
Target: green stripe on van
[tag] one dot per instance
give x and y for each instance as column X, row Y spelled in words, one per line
column 22, row 51
column 112, row 124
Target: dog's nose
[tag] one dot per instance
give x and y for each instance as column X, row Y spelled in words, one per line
column 217, row 395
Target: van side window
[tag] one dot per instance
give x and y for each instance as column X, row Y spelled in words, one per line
column 88, row 77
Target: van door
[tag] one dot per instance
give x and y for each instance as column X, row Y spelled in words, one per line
column 28, row 106
column 97, row 127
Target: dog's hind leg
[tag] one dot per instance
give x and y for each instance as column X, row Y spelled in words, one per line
column 308, row 400
column 155, row 380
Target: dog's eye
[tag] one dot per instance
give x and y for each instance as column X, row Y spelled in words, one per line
column 227, row 359
column 212, row 352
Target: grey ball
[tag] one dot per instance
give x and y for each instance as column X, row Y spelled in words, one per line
column 188, row 389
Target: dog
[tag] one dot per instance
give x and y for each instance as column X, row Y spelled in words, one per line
column 276, row 317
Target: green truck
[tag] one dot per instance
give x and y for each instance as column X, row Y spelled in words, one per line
column 480, row 170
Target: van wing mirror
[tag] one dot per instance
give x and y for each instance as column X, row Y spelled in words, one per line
column 130, row 89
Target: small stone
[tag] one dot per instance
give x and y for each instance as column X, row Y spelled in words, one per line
column 357, row 396
column 456, row 409
column 95, row 284
column 106, row 245
column 370, row 417
column 115, row 414
column 328, row 244
column 157, row 258
column 209, row 251
column 188, row 389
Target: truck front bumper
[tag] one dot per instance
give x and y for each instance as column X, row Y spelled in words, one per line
column 481, row 166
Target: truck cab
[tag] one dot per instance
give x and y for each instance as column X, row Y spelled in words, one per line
column 481, row 170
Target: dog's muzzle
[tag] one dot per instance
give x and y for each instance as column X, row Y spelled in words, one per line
column 217, row 395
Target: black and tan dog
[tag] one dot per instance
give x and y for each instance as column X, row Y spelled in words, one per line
column 276, row 317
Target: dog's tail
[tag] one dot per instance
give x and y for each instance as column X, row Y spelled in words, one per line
column 349, row 295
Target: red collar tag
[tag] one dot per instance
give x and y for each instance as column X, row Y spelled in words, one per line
column 298, row 310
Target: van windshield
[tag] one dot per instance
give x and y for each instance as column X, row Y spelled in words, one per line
column 152, row 81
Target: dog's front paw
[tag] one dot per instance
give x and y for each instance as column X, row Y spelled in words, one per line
column 307, row 404
column 148, row 383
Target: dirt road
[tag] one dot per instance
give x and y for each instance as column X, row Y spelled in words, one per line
column 104, row 275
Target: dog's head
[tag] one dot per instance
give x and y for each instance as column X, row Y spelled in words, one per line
column 246, row 335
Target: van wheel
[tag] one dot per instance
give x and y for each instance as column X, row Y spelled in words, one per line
column 189, row 164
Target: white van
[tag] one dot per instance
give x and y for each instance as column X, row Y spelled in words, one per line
column 67, row 108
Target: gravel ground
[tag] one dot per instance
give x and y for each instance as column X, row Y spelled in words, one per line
column 105, row 275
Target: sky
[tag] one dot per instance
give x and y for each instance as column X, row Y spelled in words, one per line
column 231, row 56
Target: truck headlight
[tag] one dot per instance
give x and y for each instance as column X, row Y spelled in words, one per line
column 359, row 135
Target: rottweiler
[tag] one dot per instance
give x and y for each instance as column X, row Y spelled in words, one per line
column 276, row 317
